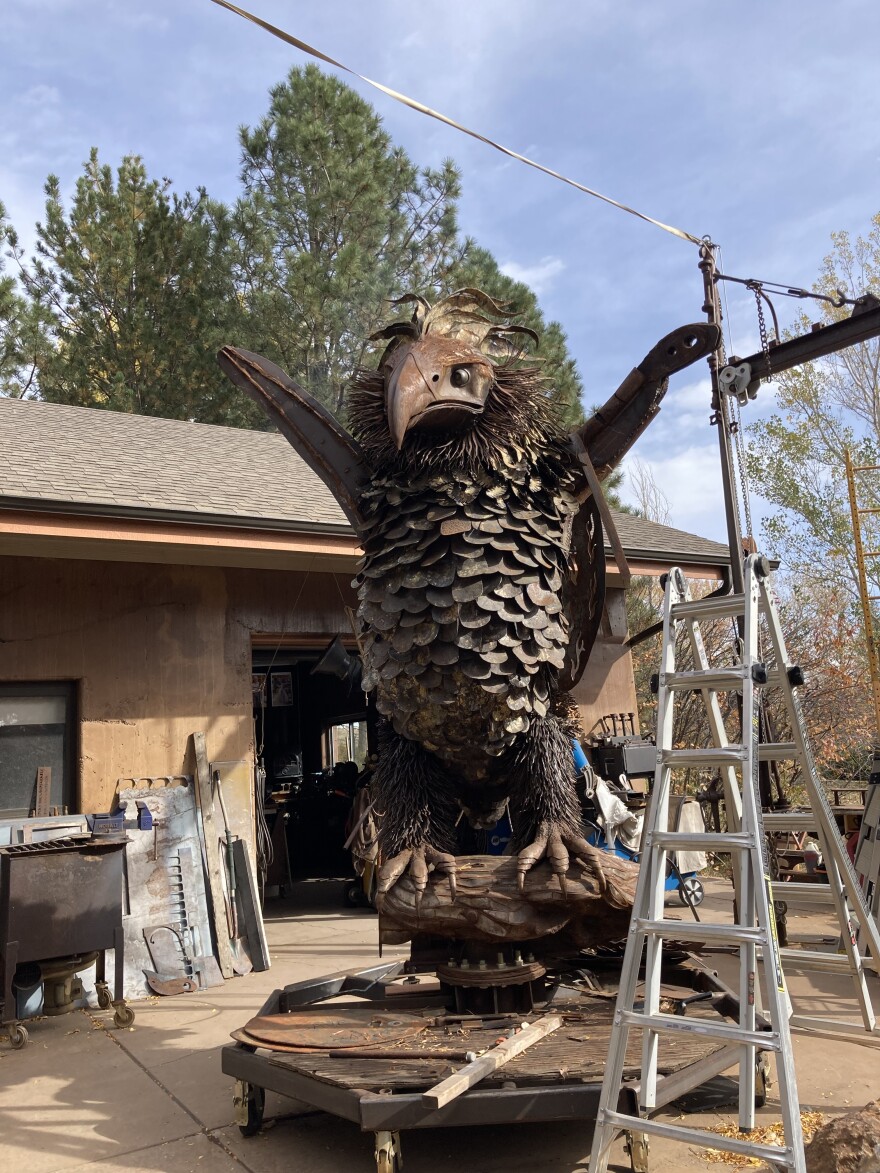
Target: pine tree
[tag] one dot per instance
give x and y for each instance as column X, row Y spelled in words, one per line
column 136, row 285
column 335, row 221
column 21, row 334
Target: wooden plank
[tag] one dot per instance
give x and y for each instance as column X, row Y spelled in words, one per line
column 43, row 792
column 250, row 913
column 472, row 1073
column 575, row 1054
column 211, row 850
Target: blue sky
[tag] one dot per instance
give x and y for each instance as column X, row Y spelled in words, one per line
column 757, row 123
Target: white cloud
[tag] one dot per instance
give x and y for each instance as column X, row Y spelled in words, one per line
column 691, row 482
column 539, row 276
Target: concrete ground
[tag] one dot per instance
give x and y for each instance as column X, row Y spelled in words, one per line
column 85, row 1096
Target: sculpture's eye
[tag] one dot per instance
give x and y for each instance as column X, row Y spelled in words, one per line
column 460, row 377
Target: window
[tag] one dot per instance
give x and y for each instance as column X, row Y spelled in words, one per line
column 36, row 729
column 346, row 741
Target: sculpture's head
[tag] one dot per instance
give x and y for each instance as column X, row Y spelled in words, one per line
column 439, row 366
column 452, row 384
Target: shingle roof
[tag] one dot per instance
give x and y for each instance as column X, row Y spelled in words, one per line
column 76, row 459
column 100, row 460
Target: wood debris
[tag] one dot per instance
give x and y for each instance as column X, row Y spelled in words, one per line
column 811, row 1122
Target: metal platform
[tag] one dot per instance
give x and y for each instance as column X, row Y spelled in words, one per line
column 558, row 1078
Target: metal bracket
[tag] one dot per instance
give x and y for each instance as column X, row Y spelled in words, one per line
column 737, row 380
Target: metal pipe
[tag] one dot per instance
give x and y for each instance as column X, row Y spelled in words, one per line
column 712, row 310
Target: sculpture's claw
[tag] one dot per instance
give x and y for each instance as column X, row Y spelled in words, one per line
column 530, row 855
column 557, row 845
column 392, row 869
column 586, row 857
column 419, row 861
column 557, row 857
column 444, row 863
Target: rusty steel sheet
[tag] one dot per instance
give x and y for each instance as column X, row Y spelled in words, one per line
column 341, row 1029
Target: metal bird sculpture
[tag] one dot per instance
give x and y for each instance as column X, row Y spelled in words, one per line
column 482, row 579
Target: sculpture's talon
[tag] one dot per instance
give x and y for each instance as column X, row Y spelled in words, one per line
column 418, row 870
column 444, row 864
column 559, row 846
column 557, row 857
column 392, row 869
column 530, row 855
column 586, row 854
column 419, row 861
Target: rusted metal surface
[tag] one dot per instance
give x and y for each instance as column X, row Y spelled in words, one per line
column 59, row 899
column 482, row 583
column 558, row 1079
column 169, row 984
column 485, row 975
column 612, row 430
column 337, row 1029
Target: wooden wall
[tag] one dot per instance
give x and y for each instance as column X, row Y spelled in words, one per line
column 161, row 651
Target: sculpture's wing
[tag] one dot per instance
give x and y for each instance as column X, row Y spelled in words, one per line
column 313, row 432
column 583, row 591
column 604, row 440
column 613, row 429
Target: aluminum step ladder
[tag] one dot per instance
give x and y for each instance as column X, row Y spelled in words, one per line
column 754, row 931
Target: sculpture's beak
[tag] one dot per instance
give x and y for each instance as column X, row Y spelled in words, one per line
column 437, row 385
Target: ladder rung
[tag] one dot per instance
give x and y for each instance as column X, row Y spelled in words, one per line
column 790, row 821
column 703, row 931
column 812, row 893
column 715, row 608
column 815, row 960
column 717, row 679
column 701, row 841
column 680, row 1024
column 772, row 1154
column 774, row 751
column 731, row 755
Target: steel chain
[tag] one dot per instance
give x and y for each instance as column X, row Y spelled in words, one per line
column 755, row 287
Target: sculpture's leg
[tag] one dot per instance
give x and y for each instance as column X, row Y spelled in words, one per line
column 417, row 812
column 546, row 812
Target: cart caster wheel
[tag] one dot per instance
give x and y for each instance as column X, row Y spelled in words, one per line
column 762, row 1080
column 636, row 1145
column 123, row 1016
column 250, row 1104
column 18, row 1037
column 105, row 1001
column 691, row 891
column 353, row 895
column 389, row 1158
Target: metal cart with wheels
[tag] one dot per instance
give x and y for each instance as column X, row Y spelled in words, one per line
column 557, row 1079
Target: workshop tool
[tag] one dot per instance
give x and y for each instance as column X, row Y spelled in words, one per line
column 762, row 660
column 197, row 753
column 455, row 1085
column 164, row 983
column 204, row 964
column 166, row 946
column 242, row 963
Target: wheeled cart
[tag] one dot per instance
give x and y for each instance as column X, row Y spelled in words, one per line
column 61, row 899
column 559, row 1078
